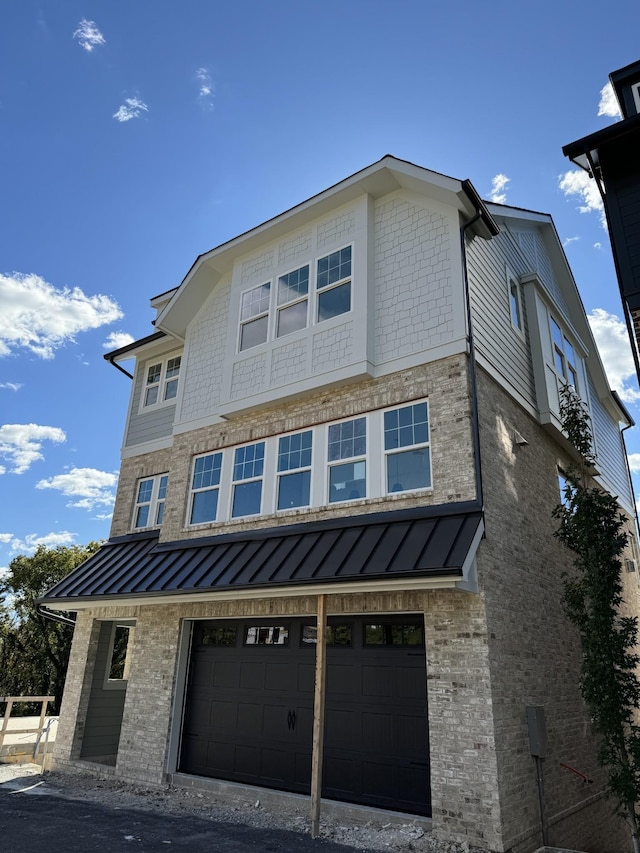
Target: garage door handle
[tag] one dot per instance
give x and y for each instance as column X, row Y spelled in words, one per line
column 291, row 720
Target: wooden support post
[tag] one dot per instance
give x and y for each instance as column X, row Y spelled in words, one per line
column 318, row 716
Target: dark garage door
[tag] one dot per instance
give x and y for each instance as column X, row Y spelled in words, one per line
column 249, row 709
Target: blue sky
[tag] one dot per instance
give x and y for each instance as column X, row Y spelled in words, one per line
column 136, row 135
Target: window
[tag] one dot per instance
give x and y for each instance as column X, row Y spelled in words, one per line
column 161, row 385
column 564, row 357
column 294, row 470
column 293, row 290
column 205, row 487
column 406, row 448
column 333, row 284
column 254, row 316
column 515, row 302
column 289, row 300
column 635, row 88
column 248, row 468
column 272, row 635
column 566, row 488
column 119, row 656
column 347, row 479
column 393, row 634
column 150, row 499
column 335, row 635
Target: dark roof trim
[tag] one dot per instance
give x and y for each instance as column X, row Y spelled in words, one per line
column 491, row 229
column 623, row 408
column 591, row 143
column 134, row 345
column 422, row 542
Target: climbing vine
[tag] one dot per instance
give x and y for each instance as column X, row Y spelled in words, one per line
column 592, row 527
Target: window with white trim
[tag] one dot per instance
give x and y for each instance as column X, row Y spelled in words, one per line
column 254, row 316
column 248, row 471
column 205, row 488
column 347, row 459
column 150, row 498
column 564, row 357
column 294, row 470
column 161, row 382
column 268, row 313
column 293, row 301
column 515, row 301
column 333, row 284
column 406, row 448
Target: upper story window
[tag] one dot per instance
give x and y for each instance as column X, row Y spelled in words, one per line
column 406, row 448
column 564, row 357
column 334, row 284
column 268, row 313
column 347, row 458
column 150, row 499
column 205, row 488
column 373, row 455
column 294, row 470
column 293, row 301
column 161, row 382
column 248, row 470
column 254, row 316
column 515, row 301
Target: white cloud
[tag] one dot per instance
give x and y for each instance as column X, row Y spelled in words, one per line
column 21, row 444
column 569, row 241
column 498, row 192
column 608, row 105
column 207, row 90
column 615, row 350
column 41, row 318
column 88, row 35
column 597, row 246
column 11, row 386
column 91, row 488
column 634, row 462
column 576, row 182
column 31, row 541
column 132, row 108
column 116, row 340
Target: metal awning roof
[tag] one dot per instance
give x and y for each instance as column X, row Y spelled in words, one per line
column 424, row 542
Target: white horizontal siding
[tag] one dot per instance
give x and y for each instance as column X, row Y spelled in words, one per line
column 609, row 446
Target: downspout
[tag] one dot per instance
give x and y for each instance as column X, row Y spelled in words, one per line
column 475, row 420
column 43, row 611
column 121, row 369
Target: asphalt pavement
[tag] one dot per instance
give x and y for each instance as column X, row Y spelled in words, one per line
column 33, row 820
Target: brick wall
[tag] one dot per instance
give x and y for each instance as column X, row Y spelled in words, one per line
column 534, row 652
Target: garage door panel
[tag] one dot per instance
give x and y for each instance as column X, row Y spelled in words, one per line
column 202, row 673
column 226, row 674
column 407, row 686
column 306, row 678
column 340, row 777
column 376, row 681
column 223, row 715
column 281, row 677
column 252, row 675
column 377, row 730
column 250, row 717
column 412, row 734
column 341, row 728
column 343, row 679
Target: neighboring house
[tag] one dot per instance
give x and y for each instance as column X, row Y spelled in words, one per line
column 611, row 157
column 354, row 403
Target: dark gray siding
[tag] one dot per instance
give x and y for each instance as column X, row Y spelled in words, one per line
column 497, row 340
column 104, row 715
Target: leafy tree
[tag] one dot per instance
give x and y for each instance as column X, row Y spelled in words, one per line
column 34, row 650
column 592, row 526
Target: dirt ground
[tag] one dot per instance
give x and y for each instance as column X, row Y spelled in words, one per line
column 177, row 801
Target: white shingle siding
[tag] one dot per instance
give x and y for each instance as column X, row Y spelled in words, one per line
column 336, row 230
column 413, row 281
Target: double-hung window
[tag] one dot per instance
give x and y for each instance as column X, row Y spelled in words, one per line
column 254, row 316
column 248, row 470
column 564, row 357
column 161, row 381
column 150, row 499
column 205, row 488
column 347, row 458
column 406, row 448
column 333, row 284
column 293, row 301
column 294, row 470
